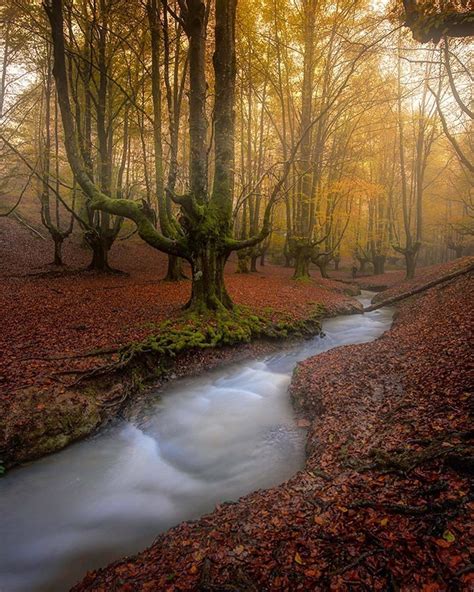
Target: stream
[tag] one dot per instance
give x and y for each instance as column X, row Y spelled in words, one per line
column 208, row 439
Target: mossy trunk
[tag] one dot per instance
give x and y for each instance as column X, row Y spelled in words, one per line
column 208, row 288
column 323, row 267
column 253, row 262
column 302, row 254
column 175, row 269
column 243, row 260
column 363, row 265
column 379, row 264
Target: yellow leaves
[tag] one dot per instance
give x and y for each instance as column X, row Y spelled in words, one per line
column 298, row 559
column 384, row 522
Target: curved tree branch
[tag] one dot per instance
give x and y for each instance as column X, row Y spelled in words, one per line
column 97, row 199
column 462, row 157
column 452, row 84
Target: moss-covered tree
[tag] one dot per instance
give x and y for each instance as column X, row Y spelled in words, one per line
column 203, row 232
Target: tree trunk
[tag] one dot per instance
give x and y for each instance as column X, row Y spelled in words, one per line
column 100, row 253
column 417, row 290
column 262, row 258
column 253, row 262
column 243, row 262
column 458, row 250
column 175, row 269
column 302, row 254
column 337, row 260
column 58, row 247
column 379, row 264
column 410, row 262
column 208, row 288
column 323, row 268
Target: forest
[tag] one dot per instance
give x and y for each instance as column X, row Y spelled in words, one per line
column 237, row 247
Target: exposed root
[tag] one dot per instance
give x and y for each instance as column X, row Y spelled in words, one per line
column 196, row 331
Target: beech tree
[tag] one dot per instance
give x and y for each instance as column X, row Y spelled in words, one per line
column 203, row 232
column 412, row 189
column 48, row 138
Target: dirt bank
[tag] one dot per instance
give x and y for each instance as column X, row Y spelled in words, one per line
column 384, row 501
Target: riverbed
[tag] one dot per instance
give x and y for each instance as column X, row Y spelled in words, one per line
column 205, row 440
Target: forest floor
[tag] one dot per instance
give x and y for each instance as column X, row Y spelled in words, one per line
column 384, row 502
column 49, row 317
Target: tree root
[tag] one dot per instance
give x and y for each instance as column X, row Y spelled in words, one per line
column 242, row 581
column 90, row 354
column 355, row 562
column 405, row 462
column 406, row 510
column 196, row 332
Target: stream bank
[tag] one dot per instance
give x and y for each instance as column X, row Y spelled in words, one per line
column 383, row 501
column 36, row 426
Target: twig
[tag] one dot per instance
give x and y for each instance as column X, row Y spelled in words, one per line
column 355, row 562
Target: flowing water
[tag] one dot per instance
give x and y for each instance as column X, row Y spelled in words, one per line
column 208, row 439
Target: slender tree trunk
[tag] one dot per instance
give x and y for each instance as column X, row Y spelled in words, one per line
column 410, row 262
column 459, row 250
column 58, row 247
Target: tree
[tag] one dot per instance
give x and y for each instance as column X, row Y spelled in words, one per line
column 203, row 232
column 412, row 193
column 51, row 221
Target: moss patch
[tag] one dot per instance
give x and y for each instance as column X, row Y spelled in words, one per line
column 202, row 331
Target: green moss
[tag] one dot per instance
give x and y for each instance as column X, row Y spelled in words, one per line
column 225, row 327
